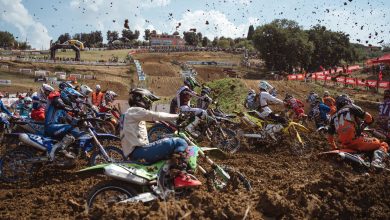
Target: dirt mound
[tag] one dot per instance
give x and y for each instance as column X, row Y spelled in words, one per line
column 284, row 186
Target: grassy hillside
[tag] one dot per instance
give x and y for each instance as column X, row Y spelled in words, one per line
column 230, row 93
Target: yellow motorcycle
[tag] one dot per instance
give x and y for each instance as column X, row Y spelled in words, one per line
column 258, row 132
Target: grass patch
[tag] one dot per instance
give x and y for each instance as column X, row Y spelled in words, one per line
column 230, row 93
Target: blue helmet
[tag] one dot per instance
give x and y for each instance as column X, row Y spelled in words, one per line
column 70, row 95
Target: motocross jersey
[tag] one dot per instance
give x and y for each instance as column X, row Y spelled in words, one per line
column 56, row 110
column 184, row 95
column 4, row 109
column 345, row 123
column 329, row 101
column 319, row 113
column 384, row 115
column 294, row 104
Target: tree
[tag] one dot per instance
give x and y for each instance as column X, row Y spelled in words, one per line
column 283, row 45
column 147, row 34
column 6, row 39
column 215, row 41
column 330, row 47
column 63, row 38
column 251, row 31
column 129, row 34
column 205, row 42
column 224, row 43
column 112, row 35
column 191, row 38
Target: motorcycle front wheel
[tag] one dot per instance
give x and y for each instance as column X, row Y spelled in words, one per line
column 158, row 132
column 114, row 153
column 237, row 180
column 109, row 192
column 230, row 144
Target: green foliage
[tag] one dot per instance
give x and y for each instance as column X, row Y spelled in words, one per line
column 93, row 39
column 63, row 38
column 284, row 45
column 206, row 42
column 229, row 93
column 6, row 39
column 112, row 35
column 251, row 32
column 129, row 34
column 191, row 38
column 147, row 34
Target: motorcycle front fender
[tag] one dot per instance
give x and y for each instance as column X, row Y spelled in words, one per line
column 110, row 137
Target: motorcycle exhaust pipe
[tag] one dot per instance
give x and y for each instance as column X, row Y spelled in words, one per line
column 25, row 139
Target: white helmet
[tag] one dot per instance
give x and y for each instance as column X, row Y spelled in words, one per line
column 85, row 90
column 265, row 85
column 46, row 89
column 98, row 87
column 27, row 100
column 110, row 96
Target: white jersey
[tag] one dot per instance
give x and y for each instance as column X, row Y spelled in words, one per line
column 265, row 99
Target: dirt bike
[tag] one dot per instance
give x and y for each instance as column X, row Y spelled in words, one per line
column 106, row 124
column 22, row 162
column 212, row 130
column 134, row 182
column 360, row 160
column 257, row 131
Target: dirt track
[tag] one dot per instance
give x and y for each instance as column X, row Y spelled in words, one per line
column 284, row 186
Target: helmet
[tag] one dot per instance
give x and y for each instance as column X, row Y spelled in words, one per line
column 386, row 94
column 326, row 93
column 251, row 92
column 205, row 90
column 191, row 82
column 342, row 100
column 46, row 89
column 264, row 85
column 64, row 85
column 110, row 96
column 98, row 88
column 70, row 95
column 27, row 100
column 288, row 96
column 142, row 98
column 85, row 90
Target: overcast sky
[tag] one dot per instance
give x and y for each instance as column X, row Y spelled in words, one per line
column 38, row 21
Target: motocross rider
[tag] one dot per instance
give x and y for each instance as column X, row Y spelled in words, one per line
column 346, row 122
column 134, row 136
column 2, row 106
column 384, row 113
column 56, row 118
column 330, row 102
column 109, row 98
column 183, row 97
column 24, row 107
column 38, row 109
column 205, row 99
column 296, row 105
column 263, row 99
column 43, row 94
column 319, row 113
column 250, row 100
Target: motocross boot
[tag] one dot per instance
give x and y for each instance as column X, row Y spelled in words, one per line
column 65, row 142
column 192, row 126
column 377, row 160
column 182, row 179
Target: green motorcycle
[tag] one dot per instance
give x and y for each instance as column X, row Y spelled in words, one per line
column 134, row 182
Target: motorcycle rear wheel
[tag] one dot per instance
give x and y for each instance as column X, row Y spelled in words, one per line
column 109, row 192
column 229, row 145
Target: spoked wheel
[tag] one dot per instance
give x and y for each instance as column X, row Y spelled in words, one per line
column 109, row 192
column 114, row 153
column 158, row 132
column 230, row 144
column 237, row 180
column 104, row 127
column 14, row 168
